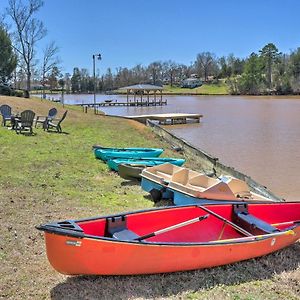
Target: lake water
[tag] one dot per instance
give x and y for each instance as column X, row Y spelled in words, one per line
column 259, row 136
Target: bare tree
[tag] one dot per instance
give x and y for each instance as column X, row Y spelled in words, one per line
column 2, row 22
column 205, row 64
column 171, row 69
column 155, row 70
column 50, row 60
column 29, row 31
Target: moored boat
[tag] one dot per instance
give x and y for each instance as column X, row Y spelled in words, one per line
column 131, row 171
column 111, row 153
column 185, row 186
column 150, row 161
column 170, row 239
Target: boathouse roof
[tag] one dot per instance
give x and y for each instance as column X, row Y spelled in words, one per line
column 145, row 87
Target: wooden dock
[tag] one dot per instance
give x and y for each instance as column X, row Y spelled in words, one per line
column 168, row 119
column 129, row 103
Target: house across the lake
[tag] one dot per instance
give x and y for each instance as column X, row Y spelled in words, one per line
column 191, row 83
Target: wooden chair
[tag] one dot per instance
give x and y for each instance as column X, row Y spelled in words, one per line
column 6, row 113
column 51, row 124
column 25, row 121
column 42, row 119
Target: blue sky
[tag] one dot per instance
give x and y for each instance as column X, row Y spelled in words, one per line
column 138, row 31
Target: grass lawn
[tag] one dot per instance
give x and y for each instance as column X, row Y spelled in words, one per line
column 206, row 89
column 50, row 177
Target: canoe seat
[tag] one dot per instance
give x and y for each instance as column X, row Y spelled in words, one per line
column 116, row 227
column 249, row 222
column 125, row 235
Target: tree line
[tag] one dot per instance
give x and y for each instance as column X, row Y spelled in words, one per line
column 266, row 72
column 24, row 67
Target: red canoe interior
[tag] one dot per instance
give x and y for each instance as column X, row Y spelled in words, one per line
column 210, row 229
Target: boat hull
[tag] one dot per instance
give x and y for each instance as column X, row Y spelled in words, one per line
column 130, row 172
column 184, row 199
column 149, row 186
column 162, row 186
column 106, row 154
column 99, row 257
column 83, row 247
column 149, row 162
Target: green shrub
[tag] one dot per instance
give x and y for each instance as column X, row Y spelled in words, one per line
column 18, row 93
column 5, row 90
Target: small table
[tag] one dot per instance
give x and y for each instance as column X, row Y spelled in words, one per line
column 14, row 119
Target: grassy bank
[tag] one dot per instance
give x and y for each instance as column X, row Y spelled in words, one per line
column 52, row 176
column 206, row 89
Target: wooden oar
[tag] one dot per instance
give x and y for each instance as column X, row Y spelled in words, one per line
column 185, row 223
column 255, row 237
column 238, row 228
column 286, row 223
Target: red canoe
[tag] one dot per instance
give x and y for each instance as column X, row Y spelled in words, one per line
column 171, row 239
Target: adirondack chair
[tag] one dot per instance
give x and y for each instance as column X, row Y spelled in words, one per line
column 25, row 121
column 50, row 124
column 42, row 119
column 6, row 113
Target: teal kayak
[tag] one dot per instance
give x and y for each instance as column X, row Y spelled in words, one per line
column 111, row 153
column 147, row 162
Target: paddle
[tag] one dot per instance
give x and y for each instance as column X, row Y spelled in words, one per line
column 285, row 223
column 255, row 237
column 185, row 223
column 238, row 228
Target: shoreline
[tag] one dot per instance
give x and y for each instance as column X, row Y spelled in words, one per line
column 176, row 94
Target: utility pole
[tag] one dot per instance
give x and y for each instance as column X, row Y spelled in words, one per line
column 98, row 56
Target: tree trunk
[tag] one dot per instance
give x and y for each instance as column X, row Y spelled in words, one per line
column 28, row 83
column 270, row 73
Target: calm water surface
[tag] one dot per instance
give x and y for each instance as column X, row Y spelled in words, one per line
column 259, row 136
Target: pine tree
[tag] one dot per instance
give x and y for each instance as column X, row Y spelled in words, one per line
column 269, row 55
column 8, row 60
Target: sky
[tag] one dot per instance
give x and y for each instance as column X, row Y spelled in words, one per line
column 131, row 32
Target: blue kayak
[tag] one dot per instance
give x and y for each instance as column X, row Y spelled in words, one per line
column 111, row 153
column 147, row 162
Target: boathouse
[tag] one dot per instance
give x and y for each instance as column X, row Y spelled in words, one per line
column 144, row 94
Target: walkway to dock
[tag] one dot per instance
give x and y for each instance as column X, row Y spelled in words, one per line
column 117, row 103
column 168, row 119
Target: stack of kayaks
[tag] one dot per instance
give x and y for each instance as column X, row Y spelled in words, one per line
column 170, row 239
column 186, row 186
column 130, row 162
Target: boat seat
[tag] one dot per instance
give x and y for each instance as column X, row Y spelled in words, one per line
column 163, row 175
column 125, row 235
column 249, row 222
column 116, row 227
